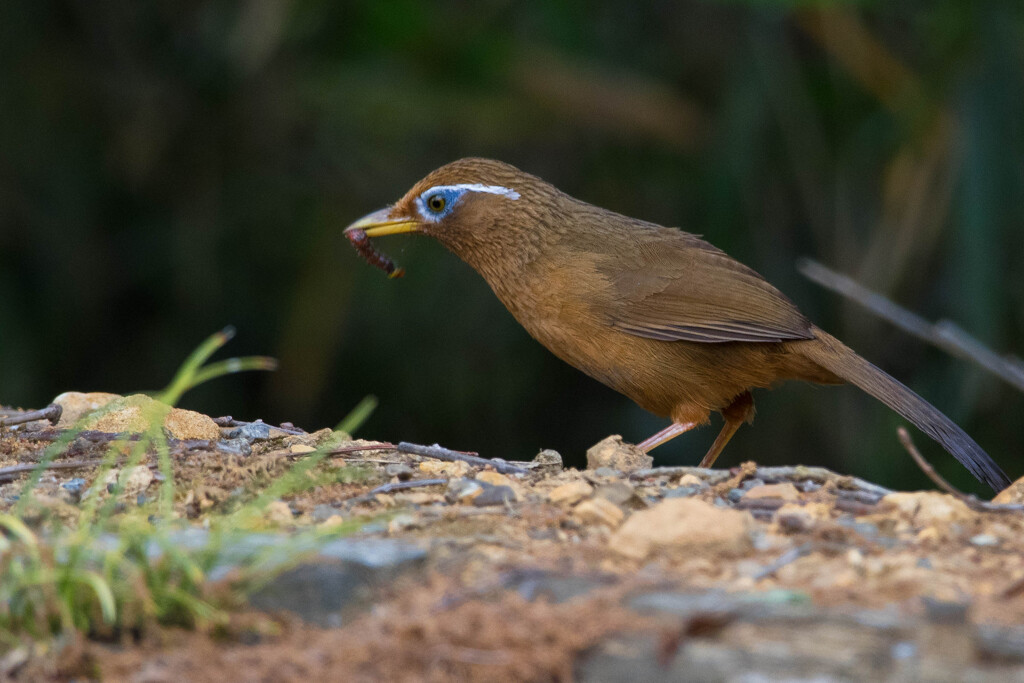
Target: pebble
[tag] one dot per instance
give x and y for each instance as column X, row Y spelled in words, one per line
column 300, row 448
column 278, row 512
column 928, row 507
column 613, row 452
column 494, row 478
column 463, row 490
column 548, row 459
column 599, row 511
column 323, row 512
column 684, row 525
column 984, row 540
column 786, row 492
column 400, row 470
column 571, row 493
column 617, row 493
column 254, row 431
column 690, row 480
column 495, row 495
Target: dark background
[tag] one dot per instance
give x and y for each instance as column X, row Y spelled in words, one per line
column 167, row 168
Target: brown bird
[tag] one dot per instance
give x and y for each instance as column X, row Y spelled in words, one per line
column 655, row 313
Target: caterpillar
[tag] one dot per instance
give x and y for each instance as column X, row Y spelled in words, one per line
column 365, row 248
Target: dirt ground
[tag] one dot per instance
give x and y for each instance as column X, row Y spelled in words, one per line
column 616, row 572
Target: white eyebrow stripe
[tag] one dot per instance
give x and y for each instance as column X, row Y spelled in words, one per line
column 477, row 187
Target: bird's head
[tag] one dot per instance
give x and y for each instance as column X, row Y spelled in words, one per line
column 482, row 210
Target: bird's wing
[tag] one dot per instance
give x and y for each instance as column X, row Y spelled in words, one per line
column 678, row 287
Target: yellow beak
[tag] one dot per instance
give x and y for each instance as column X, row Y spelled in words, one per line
column 377, row 224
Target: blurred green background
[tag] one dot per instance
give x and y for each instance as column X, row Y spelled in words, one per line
column 167, row 168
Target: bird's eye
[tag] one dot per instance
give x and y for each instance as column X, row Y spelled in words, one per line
column 436, row 203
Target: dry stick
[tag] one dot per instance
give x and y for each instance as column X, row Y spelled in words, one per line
column 51, row 412
column 940, row 482
column 439, row 453
column 392, row 487
column 944, row 334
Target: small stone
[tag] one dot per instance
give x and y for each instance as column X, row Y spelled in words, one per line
column 300, row 448
column 568, row 494
column 134, row 414
column 495, row 495
column 494, row 478
column 548, row 459
column 418, row 497
column 441, row 468
column 608, row 473
column 1014, row 493
column 75, row 405
column 278, row 512
column 463, row 490
column 252, row 431
column 137, row 479
column 617, row 492
column 683, row 526
column 331, row 522
column 400, row 470
column 928, row 507
column 599, row 511
column 786, row 492
column 690, row 480
column 322, row 512
column 682, row 492
column 613, row 452
column 401, row 522
column 984, row 540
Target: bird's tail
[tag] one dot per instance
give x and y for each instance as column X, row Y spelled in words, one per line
column 831, row 354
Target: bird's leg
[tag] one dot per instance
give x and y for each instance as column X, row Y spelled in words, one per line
column 736, row 413
column 666, row 434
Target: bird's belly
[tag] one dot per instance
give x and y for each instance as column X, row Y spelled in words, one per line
column 665, row 378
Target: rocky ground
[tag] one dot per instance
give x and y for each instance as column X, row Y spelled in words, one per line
column 461, row 570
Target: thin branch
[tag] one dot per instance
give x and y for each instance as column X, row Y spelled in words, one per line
column 439, row 453
column 392, row 487
column 51, row 412
column 944, row 334
column 926, row 466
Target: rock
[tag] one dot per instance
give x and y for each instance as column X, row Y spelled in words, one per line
column 599, row 511
column 322, row 512
column 683, row 526
column 786, row 492
column 253, row 431
column 691, row 480
column 400, row 470
column 463, row 490
column 495, row 495
column 300, row 448
column 341, row 582
column 278, row 512
column 928, row 507
column 548, row 460
column 401, row 522
column 441, row 468
column 617, row 492
column 75, row 405
column 136, row 480
column 135, row 414
column 571, row 493
column 1014, row 493
column 613, row 452
column 494, row 478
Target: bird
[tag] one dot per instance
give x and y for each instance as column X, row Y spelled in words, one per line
column 655, row 313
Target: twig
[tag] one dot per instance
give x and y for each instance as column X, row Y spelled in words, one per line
column 926, row 466
column 51, row 412
column 392, row 487
column 944, row 334
column 439, row 453
column 380, row 446
column 788, row 557
column 971, row 501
